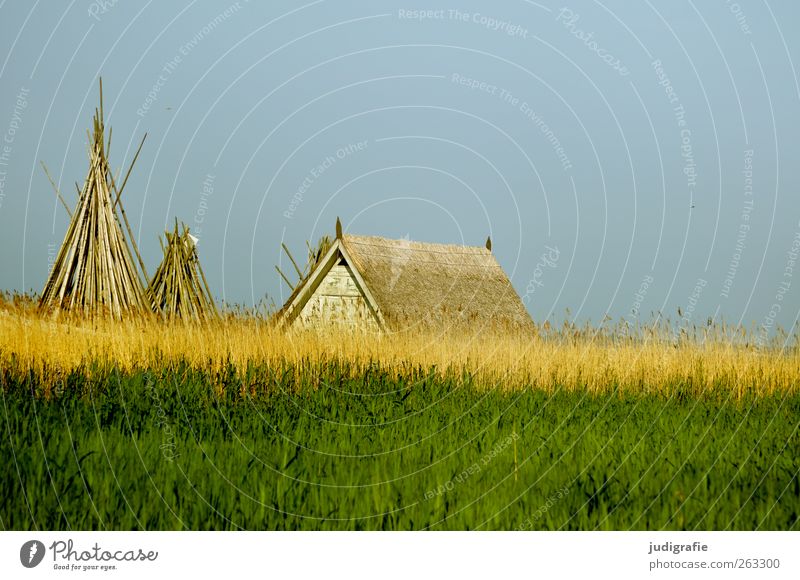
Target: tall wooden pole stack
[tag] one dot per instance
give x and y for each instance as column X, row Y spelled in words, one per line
column 179, row 288
column 94, row 272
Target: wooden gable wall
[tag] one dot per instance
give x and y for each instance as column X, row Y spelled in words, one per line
column 338, row 300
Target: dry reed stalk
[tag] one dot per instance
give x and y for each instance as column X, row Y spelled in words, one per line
column 654, row 363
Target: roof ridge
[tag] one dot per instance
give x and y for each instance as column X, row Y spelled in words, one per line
column 358, row 239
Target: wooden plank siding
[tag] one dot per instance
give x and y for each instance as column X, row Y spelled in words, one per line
column 338, row 300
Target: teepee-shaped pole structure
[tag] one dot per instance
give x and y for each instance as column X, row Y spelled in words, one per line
column 94, row 272
column 179, row 288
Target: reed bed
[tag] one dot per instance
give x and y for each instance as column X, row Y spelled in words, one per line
column 646, row 360
column 236, row 425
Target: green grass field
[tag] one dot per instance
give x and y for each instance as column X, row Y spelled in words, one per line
column 162, row 450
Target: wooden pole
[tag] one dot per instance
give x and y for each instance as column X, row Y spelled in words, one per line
column 128, row 227
column 127, row 175
column 285, row 279
column 296, row 267
column 58, row 193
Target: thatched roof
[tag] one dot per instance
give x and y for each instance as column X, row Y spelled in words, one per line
column 421, row 285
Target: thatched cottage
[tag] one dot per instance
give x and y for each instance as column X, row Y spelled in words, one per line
column 380, row 284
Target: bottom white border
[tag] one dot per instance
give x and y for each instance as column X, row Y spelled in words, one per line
column 333, row 555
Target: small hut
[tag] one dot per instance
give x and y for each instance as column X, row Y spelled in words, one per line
column 94, row 272
column 179, row 288
column 379, row 284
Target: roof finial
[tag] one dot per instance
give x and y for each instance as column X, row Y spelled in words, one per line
column 489, row 243
column 338, row 229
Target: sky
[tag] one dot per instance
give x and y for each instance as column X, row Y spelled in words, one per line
column 627, row 159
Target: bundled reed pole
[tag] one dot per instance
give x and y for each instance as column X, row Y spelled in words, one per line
column 94, row 272
column 315, row 255
column 179, row 288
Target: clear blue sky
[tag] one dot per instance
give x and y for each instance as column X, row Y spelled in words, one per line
column 648, row 150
